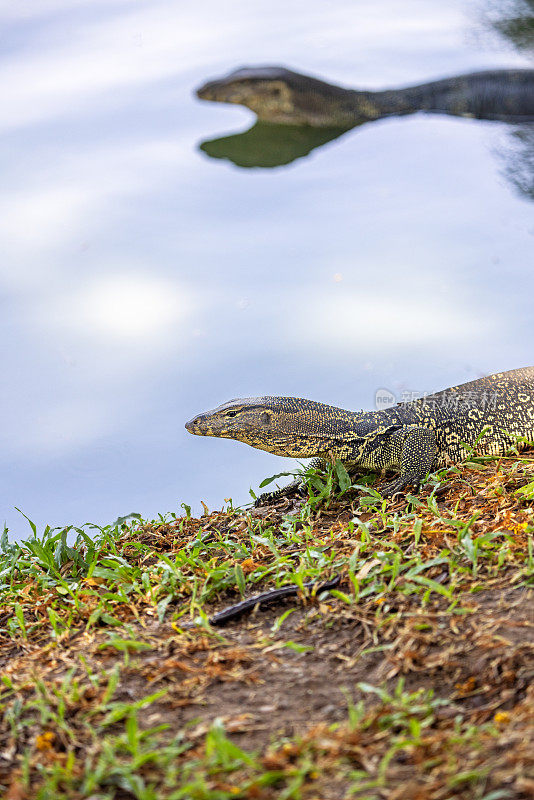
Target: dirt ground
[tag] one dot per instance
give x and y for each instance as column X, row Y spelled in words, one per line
column 285, row 686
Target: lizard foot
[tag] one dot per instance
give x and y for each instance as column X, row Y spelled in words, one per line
column 267, row 498
column 399, row 485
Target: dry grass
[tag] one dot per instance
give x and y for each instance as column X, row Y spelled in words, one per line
column 412, row 679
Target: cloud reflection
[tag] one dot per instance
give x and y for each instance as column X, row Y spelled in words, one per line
column 124, row 48
column 366, row 320
column 131, row 307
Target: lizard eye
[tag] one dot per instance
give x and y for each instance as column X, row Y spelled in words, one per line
column 231, row 413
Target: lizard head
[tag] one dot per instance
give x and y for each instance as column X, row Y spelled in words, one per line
column 278, row 95
column 285, row 426
column 247, row 86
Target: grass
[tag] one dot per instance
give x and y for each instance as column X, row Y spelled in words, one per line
column 115, row 685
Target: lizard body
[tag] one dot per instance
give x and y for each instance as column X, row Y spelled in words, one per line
column 282, row 96
column 411, row 438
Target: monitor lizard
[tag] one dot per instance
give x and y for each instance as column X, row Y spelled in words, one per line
column 280, row 95
column 411, row 439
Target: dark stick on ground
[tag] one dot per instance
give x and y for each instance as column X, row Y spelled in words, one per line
column 267, row 598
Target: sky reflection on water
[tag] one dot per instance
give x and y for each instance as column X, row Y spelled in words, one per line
column 143, row 281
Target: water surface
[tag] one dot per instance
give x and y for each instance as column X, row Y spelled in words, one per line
column 144, row 281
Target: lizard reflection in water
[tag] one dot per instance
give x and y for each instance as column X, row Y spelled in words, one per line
column 297, row 113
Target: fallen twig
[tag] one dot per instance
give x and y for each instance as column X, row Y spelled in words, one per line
column 232, row 612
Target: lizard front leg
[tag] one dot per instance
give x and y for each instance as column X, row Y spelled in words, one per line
column 413, row 448
column 297, row 485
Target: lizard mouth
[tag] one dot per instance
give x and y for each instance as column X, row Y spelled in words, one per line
column 195, row 426
column 207, row 91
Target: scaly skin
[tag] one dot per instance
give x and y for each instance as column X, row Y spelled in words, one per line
column 282, row 96
column 412, row 438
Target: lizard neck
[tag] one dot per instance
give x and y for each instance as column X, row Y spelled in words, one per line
column 443, row 96
column 491, row 94
column 307, row 429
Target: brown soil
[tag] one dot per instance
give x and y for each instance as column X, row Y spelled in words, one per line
column 478, row 655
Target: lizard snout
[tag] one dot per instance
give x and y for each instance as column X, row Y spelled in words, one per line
column 195, row 425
